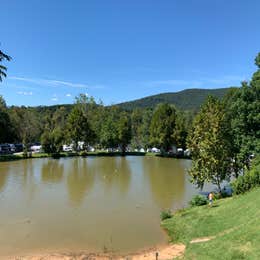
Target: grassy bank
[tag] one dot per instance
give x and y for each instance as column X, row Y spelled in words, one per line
column 232, row 226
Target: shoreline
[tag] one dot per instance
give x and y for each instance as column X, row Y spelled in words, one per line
column 162, row 252
column 20, row 156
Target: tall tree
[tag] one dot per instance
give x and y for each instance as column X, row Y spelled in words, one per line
column 124, row 131
column 26, row 125
column 6, row 128
column 145, row 127
column 243, row 107
column 179, row 132
column 109, row 129
column 78, row 127
column 136, row 124
column 162, row 126
column 210, row 145
column 53, row 136
column 3, row 69
column 52, row 140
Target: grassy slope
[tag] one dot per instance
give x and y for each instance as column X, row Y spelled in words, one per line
column 234, row 221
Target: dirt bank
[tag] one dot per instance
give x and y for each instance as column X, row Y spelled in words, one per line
column 162, row 253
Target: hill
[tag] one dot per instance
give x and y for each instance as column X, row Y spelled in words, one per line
column 189, row 99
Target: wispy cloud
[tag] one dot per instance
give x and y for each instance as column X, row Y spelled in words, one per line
column 55, row 83
column 68, row 95
column 24, row 93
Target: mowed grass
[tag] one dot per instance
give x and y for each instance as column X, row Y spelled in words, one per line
column 233, row 225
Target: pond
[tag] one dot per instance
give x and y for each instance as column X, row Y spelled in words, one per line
column 94, row 203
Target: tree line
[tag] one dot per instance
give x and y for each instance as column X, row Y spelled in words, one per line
column 94, row 124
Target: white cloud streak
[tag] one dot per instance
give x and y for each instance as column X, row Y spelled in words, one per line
column 24, row 93
column 55, row 83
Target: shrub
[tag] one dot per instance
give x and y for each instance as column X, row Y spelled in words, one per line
column 166, row 214
column 247, row 181
column 198, row 200
column 83, row 153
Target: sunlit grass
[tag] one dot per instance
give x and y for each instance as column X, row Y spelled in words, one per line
column 233, row 225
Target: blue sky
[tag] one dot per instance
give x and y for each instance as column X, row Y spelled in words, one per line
column 123, row 50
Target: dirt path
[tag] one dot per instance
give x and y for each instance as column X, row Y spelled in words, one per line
column 161, row 253
column 201, row 239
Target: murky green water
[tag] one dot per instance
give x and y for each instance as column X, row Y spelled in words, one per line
column 97, row 204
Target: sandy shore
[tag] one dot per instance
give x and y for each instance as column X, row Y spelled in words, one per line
column 161, row 253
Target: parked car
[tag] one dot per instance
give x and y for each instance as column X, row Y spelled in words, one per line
column 5, row 149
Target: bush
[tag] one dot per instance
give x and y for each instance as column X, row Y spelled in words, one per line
column 248, row 181
column 198, row 200
column 166, row 214
column 83, row 153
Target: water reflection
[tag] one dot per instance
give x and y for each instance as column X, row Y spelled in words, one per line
column 52, row 171
column 167, row 181
column 4, row 169
column 114, row 174
column 80, row 179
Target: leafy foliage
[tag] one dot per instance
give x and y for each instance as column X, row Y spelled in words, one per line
column 5, row 123
column 52, row 141
column 165, row 214
column 78, row 127
column 124, row 131
column 162, row 126
column 3, row 69
column 243, row 108
column 210, row 145
column 198, row 200
column 249, row 180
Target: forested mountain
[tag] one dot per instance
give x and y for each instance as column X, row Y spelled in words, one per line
column 189, row 99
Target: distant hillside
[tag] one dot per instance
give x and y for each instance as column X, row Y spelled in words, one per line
column 189, row 99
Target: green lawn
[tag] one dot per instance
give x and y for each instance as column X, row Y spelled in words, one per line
column 234, row 224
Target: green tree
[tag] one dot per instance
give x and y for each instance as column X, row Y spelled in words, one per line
column 26, row 125
column 53, row 136
column 210, row 143
column 78, row 127
column 145, row 128
column 162, row 126
column 257, row 60
column 243, row 106
column 179, row 132
column 136, row 124
column 124, row 131
column 52, row 140
column 3, row 69
column 6, row 127
column 109, row 128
